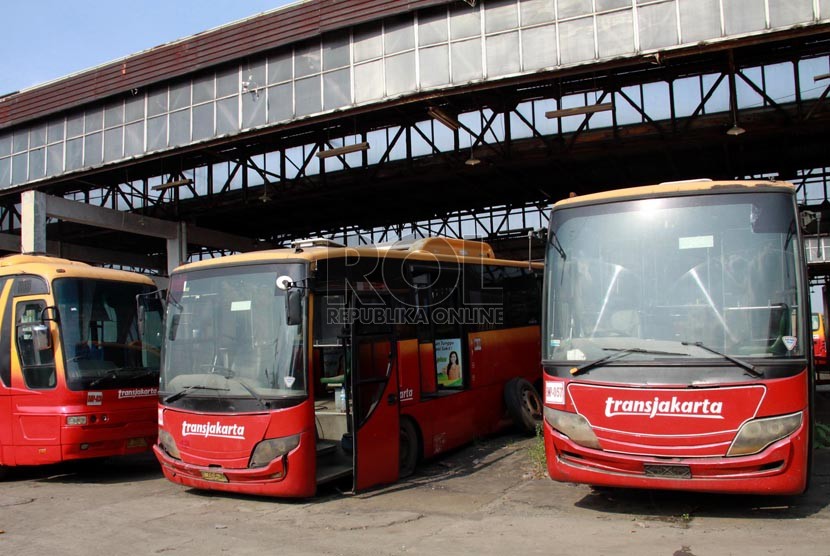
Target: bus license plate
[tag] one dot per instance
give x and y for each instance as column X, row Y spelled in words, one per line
column 668, row 471
column 136, row 443
column 214, row 476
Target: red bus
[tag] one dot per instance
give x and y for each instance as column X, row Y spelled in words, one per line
column 286, row 369
column 677, row 352
column 77, row 380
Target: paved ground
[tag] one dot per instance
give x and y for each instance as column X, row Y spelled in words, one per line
column 483, row 499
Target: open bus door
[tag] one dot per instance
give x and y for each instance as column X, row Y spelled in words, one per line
column 375, row 411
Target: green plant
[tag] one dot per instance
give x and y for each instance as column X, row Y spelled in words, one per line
column 822, row 438
column 537, row 452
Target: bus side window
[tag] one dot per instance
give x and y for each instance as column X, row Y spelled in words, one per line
column 37, row 356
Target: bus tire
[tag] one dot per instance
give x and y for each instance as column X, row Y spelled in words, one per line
column 523, row 404
column 408, row 454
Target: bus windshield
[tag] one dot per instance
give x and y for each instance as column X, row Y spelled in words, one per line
column 675, row 278
column 226, row 337
column 99, row 331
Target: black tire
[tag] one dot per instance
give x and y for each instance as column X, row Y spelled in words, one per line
column 408, row 454
column 4, row 471
column 523, row 404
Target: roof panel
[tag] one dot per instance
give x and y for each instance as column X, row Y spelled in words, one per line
column 250, row 36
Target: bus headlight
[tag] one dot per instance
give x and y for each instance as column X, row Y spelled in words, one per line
column 574, row 426
column 77, row 420
column 168, row 444
column 270, row 449
column 757, row 434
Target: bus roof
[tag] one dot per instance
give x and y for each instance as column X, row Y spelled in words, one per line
column 676, row 189
column 425, row 249
column 55, row 267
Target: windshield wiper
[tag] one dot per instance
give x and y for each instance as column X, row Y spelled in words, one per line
column 188, row 390
column 262, row 403
column 618, row 354
column 748, row 367
column 229, row 375
column 554, row 242
column 116, row 373
column 110, row 374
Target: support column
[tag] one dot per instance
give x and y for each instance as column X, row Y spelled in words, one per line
column 33, row 222
column 177, row 248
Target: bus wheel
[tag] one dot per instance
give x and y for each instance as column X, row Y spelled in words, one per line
column 523, row 404
column 408, row 448
column 3, row 472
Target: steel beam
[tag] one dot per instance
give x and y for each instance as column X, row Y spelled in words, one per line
column 85, row 253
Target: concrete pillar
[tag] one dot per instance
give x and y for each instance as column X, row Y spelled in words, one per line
column 177, row 248
column 33, row 222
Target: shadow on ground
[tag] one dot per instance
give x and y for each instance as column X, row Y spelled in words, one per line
column 682, row 507
column 141, row 467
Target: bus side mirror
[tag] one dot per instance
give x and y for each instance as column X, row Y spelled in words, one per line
column 49, row 313
column 293, row 307
column 37, row 334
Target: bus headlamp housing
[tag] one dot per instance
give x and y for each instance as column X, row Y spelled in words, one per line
column 77, row 420
column 574, row 426
column 757, row 434
column 168, row 444
column 272, row 448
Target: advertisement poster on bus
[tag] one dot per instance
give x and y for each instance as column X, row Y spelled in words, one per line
column 449, row 366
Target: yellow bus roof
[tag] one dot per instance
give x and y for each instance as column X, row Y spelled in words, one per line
column 55, row 267
column 426, row 249
column 675, row 189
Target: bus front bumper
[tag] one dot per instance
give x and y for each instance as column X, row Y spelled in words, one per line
column 778, row 469
column 271, row 480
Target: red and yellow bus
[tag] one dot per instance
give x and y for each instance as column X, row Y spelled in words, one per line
column 676, row 349
column 77, row 379
column 286, row 369
column 820, row 348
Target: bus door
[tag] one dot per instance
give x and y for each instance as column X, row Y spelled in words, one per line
column 375, row 410
column 36, row 426
column 6, row 457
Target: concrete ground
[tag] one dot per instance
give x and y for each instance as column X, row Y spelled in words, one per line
column 483, row 499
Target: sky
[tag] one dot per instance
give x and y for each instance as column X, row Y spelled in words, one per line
column 48, row 39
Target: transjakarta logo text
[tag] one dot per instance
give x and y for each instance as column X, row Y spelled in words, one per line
column 137, row 393
column 701, row 409
column 215, row 430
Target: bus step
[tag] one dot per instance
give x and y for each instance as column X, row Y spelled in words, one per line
column 325, row 447
column 330, row 471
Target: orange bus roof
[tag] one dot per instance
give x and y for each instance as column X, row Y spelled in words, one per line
column 675, row 189
column 425, row 249
column 55, row 267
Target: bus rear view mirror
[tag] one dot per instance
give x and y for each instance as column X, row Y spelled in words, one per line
column 293, row 307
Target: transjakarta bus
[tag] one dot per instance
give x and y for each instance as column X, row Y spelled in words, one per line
column 286, row 369
column 77, row 380
column 677, row 350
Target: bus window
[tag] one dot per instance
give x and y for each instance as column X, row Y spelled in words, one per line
column 37, row 358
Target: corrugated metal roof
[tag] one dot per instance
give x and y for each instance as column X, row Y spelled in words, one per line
column 247, row 37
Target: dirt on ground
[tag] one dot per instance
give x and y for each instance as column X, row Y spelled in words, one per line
column 487, row 498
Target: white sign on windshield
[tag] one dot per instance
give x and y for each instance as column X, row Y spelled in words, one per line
column 696, row 242
column 241, row 305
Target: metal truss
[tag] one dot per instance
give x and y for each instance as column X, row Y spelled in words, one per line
column 502, row 128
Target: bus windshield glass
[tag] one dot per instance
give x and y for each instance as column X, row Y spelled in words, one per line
column 226, row 337
column 102, row 346
column 675, row 278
